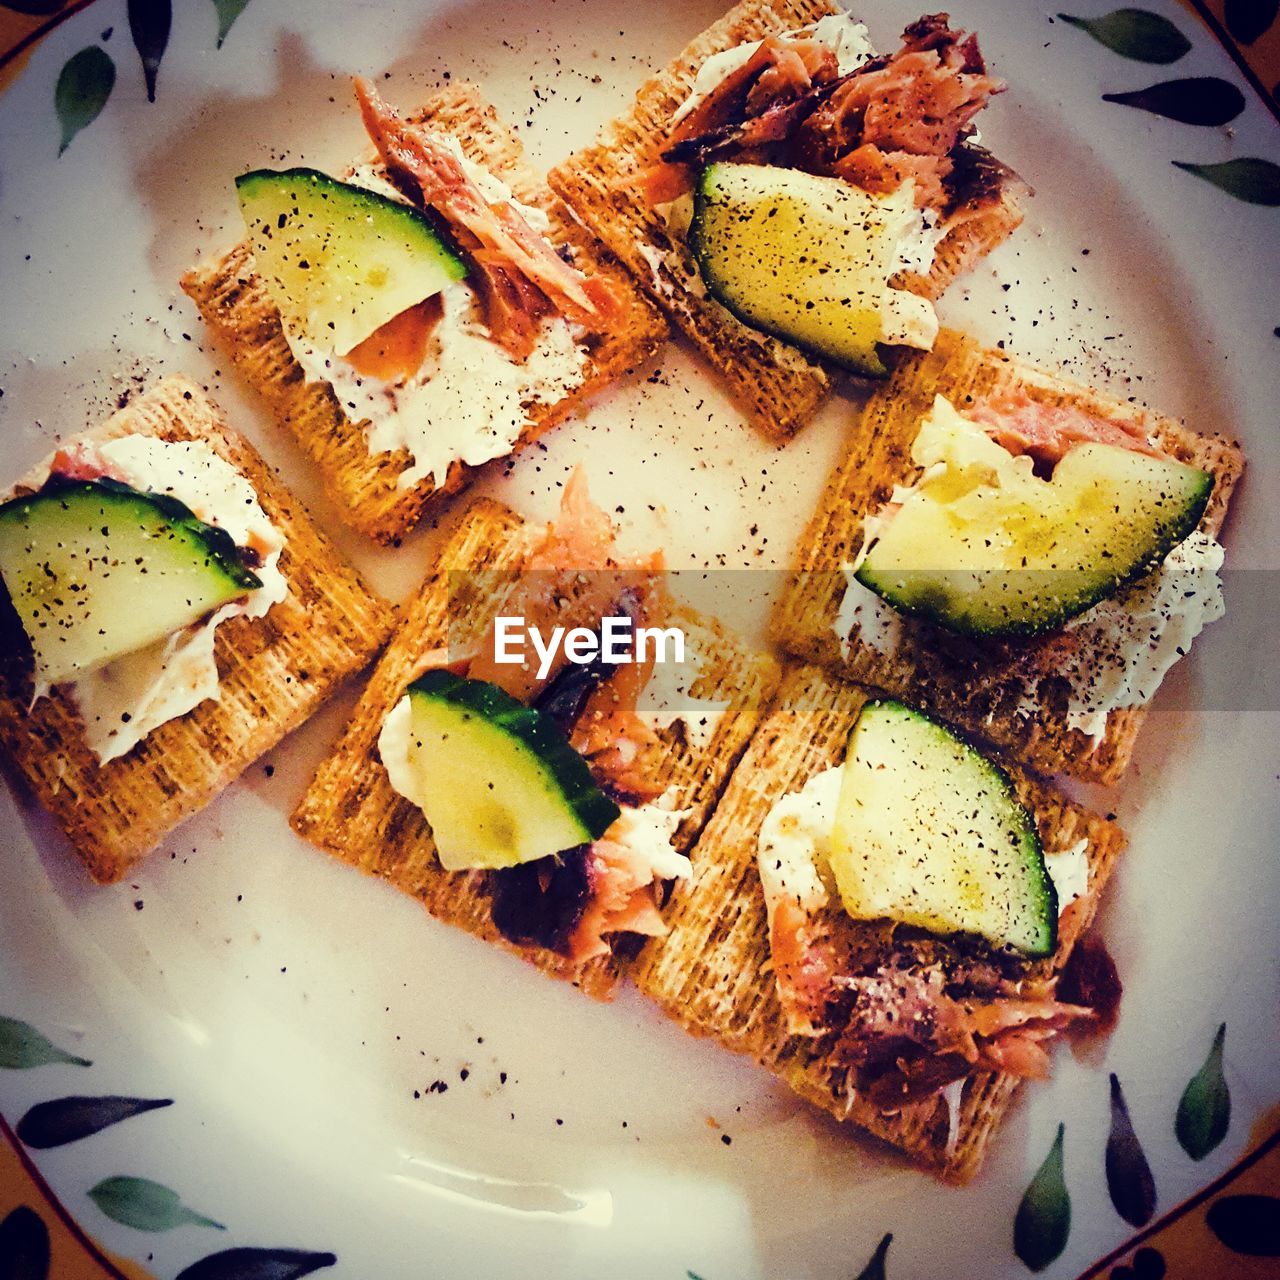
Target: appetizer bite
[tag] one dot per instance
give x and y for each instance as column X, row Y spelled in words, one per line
column 1015, row 553
column 170, row 614
column 432, row 309
column 543, row 806
column 887, row 920
column 796, row 201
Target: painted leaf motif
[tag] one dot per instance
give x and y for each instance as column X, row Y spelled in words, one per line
column 257, row 1264
column 1129, row 1178
column 149, row 23
column 63, row 1120
column 875, row 1269
column 1204, row 1110
column 1248, row 19
column 33, row 7
column 84, row 86
column 145, row 1205
column 1251, row 179
column 1043, row 1223
column 1247, row 1224
column 228, row 12
column 1135, row 33
column 22, row 1046
column 24, row 1246
column 1203, row 100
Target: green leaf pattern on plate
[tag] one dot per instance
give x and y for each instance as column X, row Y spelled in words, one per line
column 83, row 88
column 875, row 1269
column 23, row 1047
column 1043, row 1223
column 1135, row 33
column 1204, row 1111
column 1247, row 19
column 228, row 12
column 1129, row 1180
column 63, row 1120
column 1199, row 100
column 36, row 8
column 145, row 1205
column 1250, row 178
column 257, row 1264
column 149, row 23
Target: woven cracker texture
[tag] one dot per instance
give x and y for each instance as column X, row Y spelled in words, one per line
column 274, row 672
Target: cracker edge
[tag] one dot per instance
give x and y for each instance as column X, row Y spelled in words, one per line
column 234, row 302
column 878, row 457
column 712, row 973
column 776, row 384
column 351, row 811
column 115, row 813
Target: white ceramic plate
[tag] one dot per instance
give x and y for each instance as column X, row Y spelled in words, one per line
column 297, row 1014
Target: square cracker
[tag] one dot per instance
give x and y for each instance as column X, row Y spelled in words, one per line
column 712, row 973
column 274, row 671
column 351, row 810
column 778, row 386
column 235, row 303
column 967, row 683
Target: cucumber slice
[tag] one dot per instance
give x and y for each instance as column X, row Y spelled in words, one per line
column 984, row 547
column 929, row 833
column 498, row 782
column 340, row 261
column 805, row 258
column 97, row 569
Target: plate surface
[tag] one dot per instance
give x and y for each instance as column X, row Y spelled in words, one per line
column 349, row 1077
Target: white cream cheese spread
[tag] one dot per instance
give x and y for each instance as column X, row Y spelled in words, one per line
column 1125, row 645
column 906, row 319
column 124, row 701
column 795, row 842
column 395, row 740
column 795, row 848
column 846, row 37
column 469, row 401
column 647, row 830
column 1117, row 652
column 666, row 699
column 1069, row 871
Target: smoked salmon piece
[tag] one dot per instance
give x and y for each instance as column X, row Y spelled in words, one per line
column 517, row 273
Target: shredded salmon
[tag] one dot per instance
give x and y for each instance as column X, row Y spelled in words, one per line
column 82, row 461
column 726, row 103
column 575, row 576
column 397, row 349
column 882, row 172
column 803, row 965
column 1045, row 432
column 612, row 736
column 518, row 275
column 897, row 1021
column 905, row 115
column 622, row 900
column 902, row 1013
